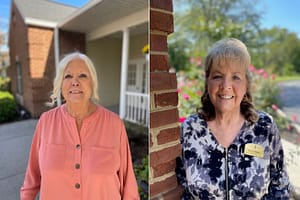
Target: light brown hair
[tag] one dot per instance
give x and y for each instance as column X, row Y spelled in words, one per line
column 228, row 50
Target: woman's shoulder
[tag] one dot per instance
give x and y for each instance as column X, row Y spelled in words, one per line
column 194, row 119
column 107, row 114
column 51, row 113
column 264, row 117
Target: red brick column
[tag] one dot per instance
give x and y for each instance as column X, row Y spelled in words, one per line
column 164, row 129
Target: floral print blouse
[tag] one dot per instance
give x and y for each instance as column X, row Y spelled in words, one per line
column 252, row 167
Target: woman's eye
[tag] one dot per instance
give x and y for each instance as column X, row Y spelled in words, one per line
column 217, row 77
column 67, row 76
column 236, row 78
column 83, row 76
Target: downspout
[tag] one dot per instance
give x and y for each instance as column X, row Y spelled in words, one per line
column 56, row 56
column 124, row 66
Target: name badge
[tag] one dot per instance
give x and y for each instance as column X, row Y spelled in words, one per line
column 254, row 150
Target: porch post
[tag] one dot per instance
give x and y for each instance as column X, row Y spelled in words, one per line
column 124, row 66
column 56, row 56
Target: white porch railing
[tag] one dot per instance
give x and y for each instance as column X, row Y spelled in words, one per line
column 137, row 107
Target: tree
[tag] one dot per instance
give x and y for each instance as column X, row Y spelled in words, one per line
column 281, row 51
column 2, row 39
column 178, row 55
column 206, row 21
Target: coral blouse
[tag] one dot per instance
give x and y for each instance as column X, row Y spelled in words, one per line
column 93, row 166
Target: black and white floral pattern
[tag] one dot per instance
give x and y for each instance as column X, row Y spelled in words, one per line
column 202, row 168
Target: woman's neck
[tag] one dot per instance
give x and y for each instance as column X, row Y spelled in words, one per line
column 228, row 119
column 80, row 111
column 225, row 127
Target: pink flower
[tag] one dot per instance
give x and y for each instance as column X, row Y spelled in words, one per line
column 274, row 107
column 181, row 84
column 273, row 76
column 192, row 60
column 186, row 96
column 198, row 61
column 294, row 118
column 179, row 90
column 261, row 71
column 289, row 127
column 199, row 93
column 252, row 68
column 265, row 75
column 181, row 119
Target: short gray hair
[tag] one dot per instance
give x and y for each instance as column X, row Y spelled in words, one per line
column 57, row 83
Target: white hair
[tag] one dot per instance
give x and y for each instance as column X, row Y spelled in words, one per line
column 57, row 83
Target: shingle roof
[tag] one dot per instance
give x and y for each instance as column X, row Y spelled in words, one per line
column 44, row 10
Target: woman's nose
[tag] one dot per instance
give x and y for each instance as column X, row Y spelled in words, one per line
column 75, row 82
column 226, row 84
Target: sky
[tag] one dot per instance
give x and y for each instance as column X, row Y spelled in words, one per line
column 280, row 13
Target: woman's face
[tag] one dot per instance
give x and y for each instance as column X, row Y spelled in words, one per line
column 227, row 85
column 77, row 82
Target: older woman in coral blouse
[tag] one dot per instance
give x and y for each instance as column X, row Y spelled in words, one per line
column 80, row 150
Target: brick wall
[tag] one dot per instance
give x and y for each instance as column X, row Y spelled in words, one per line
column 33, row 48
column 71, row 42
column 18, row 51
column 164, row 129
column 41, row 68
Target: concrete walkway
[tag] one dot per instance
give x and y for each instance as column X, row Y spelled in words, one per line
column 15, row 142
column 292, row 158
column 290, row 97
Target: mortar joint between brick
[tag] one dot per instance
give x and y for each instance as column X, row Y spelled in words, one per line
column 156, row 32
column 165, row 108
column 161, row 178
column 161, row 10
column 160, row 196
column 163, row 91
column 160, row 128
column 157, row 147
column 163, row 53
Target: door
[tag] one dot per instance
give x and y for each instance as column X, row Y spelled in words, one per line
column 137, row 78
column 137, row 97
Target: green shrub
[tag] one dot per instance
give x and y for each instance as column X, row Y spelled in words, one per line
column 4, row 83
column 7, row 107
column 142, row 174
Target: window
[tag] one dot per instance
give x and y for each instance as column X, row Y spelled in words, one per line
column 19, row 78
column 131, row 75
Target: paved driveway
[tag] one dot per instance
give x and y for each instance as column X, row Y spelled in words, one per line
column 290, row 97
column 15, row 141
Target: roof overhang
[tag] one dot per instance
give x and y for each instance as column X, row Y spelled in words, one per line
column 40, row 23
column 100, row 18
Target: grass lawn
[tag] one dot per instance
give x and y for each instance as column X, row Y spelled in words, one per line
column 287, row 78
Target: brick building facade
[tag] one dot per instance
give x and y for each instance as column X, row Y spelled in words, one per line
column 164, row 129
column 32, row 60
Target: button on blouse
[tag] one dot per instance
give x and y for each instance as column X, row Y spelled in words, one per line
column 93, row 166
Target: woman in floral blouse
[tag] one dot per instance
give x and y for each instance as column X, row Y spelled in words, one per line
column 230, row 150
